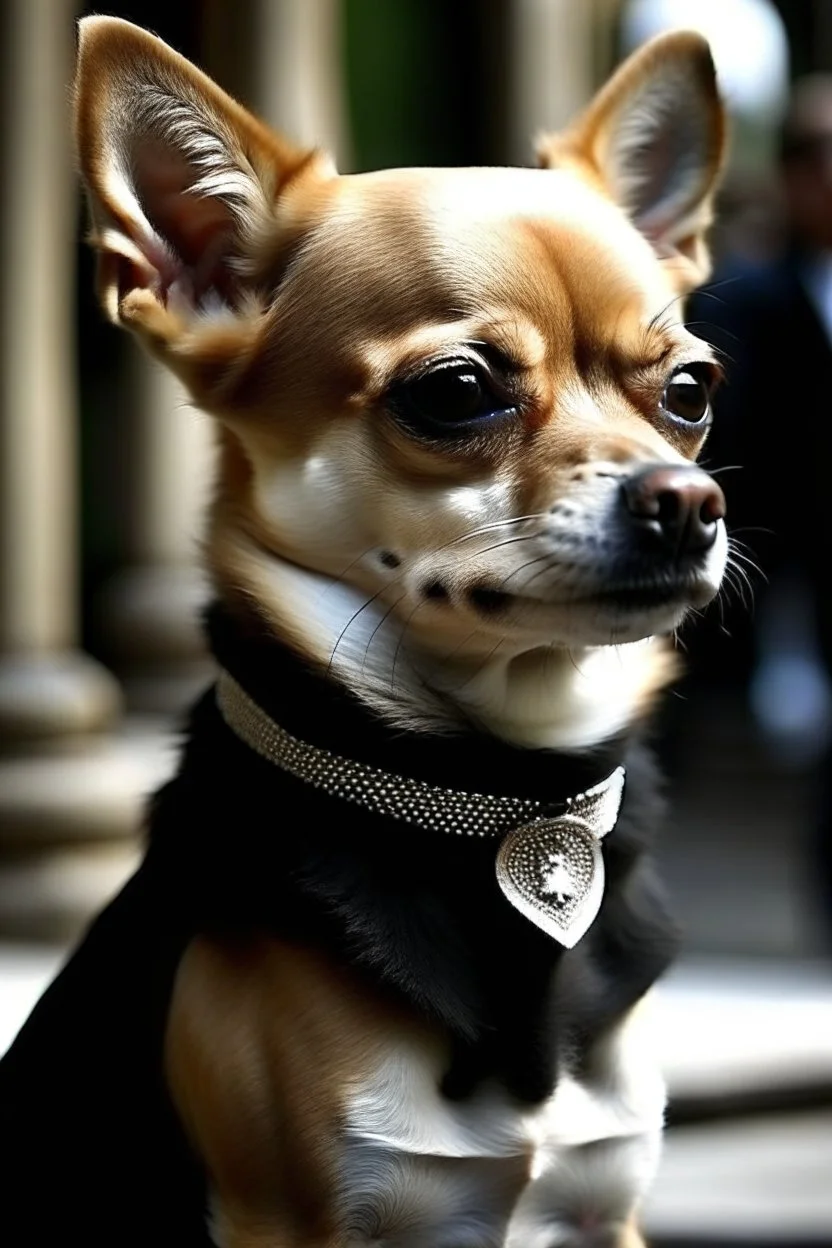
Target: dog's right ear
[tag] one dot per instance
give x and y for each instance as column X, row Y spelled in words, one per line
column 185, row 189
column 653, row 140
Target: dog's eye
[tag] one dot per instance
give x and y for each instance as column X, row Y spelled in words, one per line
column 687, row 396
column 448, row 398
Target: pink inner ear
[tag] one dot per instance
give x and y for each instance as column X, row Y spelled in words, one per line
column 197, row 229
column 661, row 154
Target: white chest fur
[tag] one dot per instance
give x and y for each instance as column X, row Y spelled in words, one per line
column 485, row 1173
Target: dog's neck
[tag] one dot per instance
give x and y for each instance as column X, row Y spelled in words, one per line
column 319, row 710
column 541, row 697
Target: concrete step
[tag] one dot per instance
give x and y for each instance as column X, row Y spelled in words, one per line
column 766, row 1183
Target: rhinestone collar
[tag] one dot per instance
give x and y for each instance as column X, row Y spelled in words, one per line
column 549, row 865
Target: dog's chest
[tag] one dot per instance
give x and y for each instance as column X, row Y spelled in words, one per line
column 416, row 1168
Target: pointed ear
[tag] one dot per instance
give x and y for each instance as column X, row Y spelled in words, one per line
column 653, row 140
column 184, row 186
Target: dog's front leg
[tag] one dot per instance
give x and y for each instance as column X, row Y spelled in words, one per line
column 243, row 1229
column 260, row 1044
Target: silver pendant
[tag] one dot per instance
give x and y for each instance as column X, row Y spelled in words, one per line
column 553, row 873
column 552, row 870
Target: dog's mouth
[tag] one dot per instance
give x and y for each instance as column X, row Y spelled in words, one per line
column 626, row 609
column 640, row 597
column 632, row 596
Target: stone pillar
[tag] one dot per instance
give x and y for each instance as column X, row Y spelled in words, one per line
column 297, row 74
column 61, row 801
column 150, row 609
column 47, row 686
column 553, row 69
column 284, row 60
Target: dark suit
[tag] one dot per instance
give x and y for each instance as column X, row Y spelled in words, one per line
column 774, row 415
column 774, row 419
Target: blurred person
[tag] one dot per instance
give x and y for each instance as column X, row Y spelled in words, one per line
column 771, row 444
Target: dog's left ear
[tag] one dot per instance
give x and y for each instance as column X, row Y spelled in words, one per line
column 653, row 140
column 190, row 197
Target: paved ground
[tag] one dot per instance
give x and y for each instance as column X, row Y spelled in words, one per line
column 748, row 1012
column 765, row 1182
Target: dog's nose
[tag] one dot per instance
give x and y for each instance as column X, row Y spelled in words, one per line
column 678, row 503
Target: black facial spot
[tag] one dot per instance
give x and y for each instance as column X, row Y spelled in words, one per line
column 389, row 559
column 489, row 601
column 436, row 591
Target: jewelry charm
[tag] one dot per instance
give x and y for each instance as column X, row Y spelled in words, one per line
column 553, row 873
column 552, row 870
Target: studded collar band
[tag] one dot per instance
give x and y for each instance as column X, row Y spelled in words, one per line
column 314, row 708
column 548, row 863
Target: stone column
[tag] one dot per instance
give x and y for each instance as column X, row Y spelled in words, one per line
column 553, row 70
column 284, row 60
column 61, row 799
column 47, row 686
column 150, row 610
column 297, row 77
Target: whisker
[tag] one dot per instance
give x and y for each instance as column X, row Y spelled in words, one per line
column 509, row 541
column 708, row 291
column 400, row 642
column 724, row 333
column 754, row 528
column 496, row 524
column 486, row 660
column 530, row 563
column 736, row 581
column 446, row 658
column 349, row 624
column 385, row 617
column 659, row 321
column 720, row 468
column 550, row 563
column 744, row 563
column 740, row 557
column 679, row 643
column 574, row 662
column 339, row 576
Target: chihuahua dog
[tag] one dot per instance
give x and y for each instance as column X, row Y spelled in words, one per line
column 378, row 978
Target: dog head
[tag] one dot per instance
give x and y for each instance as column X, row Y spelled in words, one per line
column 458, row 410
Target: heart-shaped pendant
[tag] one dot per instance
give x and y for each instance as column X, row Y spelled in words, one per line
column 553, row 873
column 552, row 870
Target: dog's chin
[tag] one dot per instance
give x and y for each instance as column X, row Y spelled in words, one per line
column 605, row 617
column 609, row 620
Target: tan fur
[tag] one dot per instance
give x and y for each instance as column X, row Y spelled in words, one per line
column 263, row 1041
column 292, row 302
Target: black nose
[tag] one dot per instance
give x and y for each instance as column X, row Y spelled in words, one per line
column 678, row 504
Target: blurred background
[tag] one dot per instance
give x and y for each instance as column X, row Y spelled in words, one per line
column 104, row 470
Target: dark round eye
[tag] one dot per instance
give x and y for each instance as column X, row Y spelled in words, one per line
column 448, row 398
column 687, row 396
